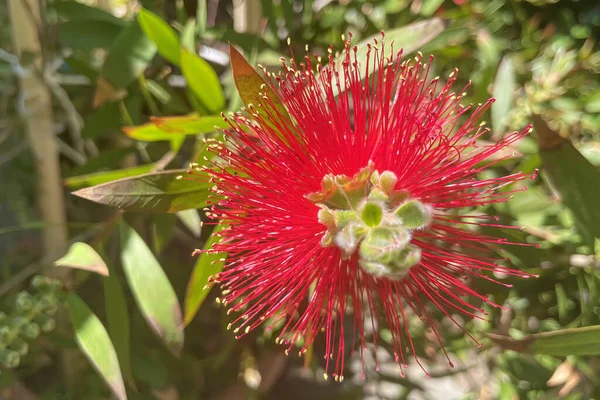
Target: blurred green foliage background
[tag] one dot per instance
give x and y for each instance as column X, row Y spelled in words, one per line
column 132, row 92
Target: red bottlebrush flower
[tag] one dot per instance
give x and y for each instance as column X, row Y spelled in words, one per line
column 352, row 206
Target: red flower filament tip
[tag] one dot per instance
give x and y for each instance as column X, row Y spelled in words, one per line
column 346, row 209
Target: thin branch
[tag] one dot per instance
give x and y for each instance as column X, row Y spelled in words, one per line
column 70, row 152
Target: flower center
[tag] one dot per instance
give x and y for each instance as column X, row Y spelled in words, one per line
column 365, row 214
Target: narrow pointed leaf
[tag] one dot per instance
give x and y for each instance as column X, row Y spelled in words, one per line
column 202, row 80
column 161, row 33
column 206, row 266
column 170, row 128
column 188, row 35
column 128, row 57
column 83, row 256
column 158, row 192
column 504, row 88
column 573, row 176
column 563, row 342
column 96, row 178
column 191, row 220
column 94, row 342
column 191, row 124
column 117, row 318
column 250, row 84
column 151, row 289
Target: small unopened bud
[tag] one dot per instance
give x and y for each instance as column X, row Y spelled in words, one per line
column 371, row 214
column 30, row 331
column 9, row 358
column 23, row 302
column 252, row 378
column 414, row 214
column 46, row 323
column 20, row 346
column 326, row 218
column 387, row 181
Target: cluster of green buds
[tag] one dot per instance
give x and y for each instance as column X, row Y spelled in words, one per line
column 365, row 214
column 32, row 314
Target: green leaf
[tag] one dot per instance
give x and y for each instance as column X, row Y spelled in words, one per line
column 572, row 175
column 158, row 192
column 89, row 35
column 504, row 89
column 74, row 10
column 201, row 12
column 151, row 289
column 161, row 34
column 191, row 124
column 94, row 342
column 163, row 228
column 191, row 220
column 102, row 121
column 117, row 318
column 83, row 256
column 563, row 342
column 202, row 80
column 429, row 7
column 206, row 266
column 188, row 35
column 250, row 85
column 97, row 178
column 107, row 159
column 128, row 57
column 170, row 128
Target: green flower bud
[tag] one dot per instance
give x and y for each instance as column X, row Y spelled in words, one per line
column 46, row 323
column 387, row 181
column 349, row 237
column 344, row 217
column 371, row 214
column 9, row 358
column 48, row 303
column 19, row 345
column 326, row 217
column 24, row 302
column 414, row 214
column 30, row 331
column 6, row 334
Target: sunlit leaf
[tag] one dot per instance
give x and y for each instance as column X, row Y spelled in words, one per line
column 96, row 178
column 155, row 193
column 429, row 7
column 191, row 124
column 252, row 87
column 170, row 128
column 161, row 34
column 504, row 89
column 202, row 80
column 206, row 266
column 74, row 10
column 94, row 342
column 83, row 256
column 151, row 288
column 188, row 35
